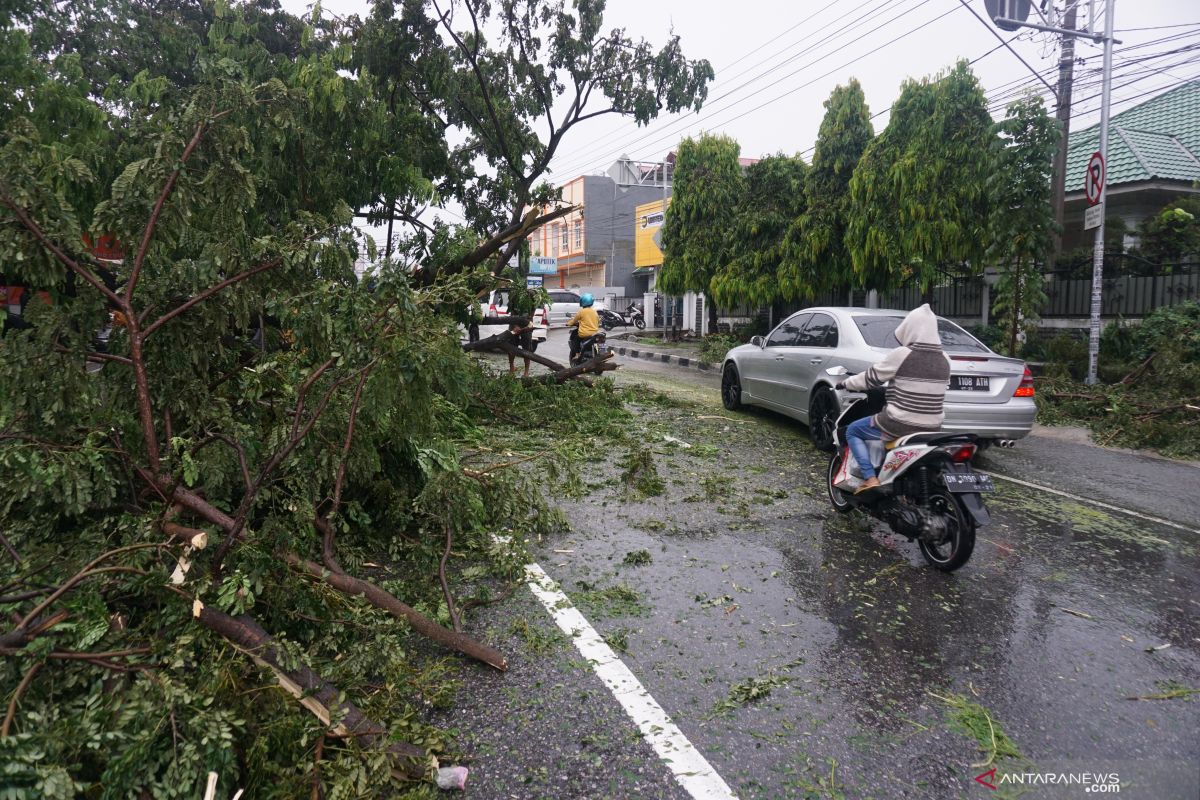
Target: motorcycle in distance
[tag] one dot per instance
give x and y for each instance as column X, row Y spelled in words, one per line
column 631, row 316
column 928, row 491
column 591, row 347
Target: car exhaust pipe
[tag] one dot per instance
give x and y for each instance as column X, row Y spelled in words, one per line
column 1006, row 443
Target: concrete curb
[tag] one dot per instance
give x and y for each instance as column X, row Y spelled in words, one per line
column 640, row 351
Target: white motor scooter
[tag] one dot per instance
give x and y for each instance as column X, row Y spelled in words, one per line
column 927, row 492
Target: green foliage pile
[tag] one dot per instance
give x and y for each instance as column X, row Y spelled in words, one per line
column 235, row 378
column 1149, row 395
column 714, row 347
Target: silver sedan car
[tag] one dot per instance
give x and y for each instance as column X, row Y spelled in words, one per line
column 989, row 395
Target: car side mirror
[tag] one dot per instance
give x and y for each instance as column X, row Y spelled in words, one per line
column 758, row 341
column 837, row 371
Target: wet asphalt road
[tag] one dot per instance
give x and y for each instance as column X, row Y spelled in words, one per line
column 807, row 654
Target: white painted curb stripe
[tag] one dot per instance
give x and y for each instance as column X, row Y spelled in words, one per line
column 1089, row 501
column 691, row 769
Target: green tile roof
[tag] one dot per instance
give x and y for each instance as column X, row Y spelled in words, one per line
column 1159, row 139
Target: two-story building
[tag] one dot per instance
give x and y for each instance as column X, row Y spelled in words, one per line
column 594, row 244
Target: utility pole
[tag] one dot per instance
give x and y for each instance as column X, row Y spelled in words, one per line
column 1066, row 72
column 1010, row 15
column 1098, row 248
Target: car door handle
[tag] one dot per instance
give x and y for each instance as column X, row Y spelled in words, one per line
column 816, row 360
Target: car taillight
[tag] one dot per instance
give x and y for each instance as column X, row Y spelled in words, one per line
column 962, row 454
column 1026, row 387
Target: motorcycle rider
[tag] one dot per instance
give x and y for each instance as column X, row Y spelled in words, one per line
column 584, row 325
column 919, row 373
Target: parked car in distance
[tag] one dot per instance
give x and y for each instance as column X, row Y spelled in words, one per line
column 989, row 395
column 496, row 305
column 564, row 303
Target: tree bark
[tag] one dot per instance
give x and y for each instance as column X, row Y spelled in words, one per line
column 422, row 624
column 314, row 693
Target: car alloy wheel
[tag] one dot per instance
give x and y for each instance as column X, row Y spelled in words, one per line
column 731, row 388
column 822, row 417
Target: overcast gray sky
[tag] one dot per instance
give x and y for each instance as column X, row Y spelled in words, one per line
column 777, row 61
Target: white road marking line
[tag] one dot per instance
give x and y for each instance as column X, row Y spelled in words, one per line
column 1106, row 506
column 691, row 769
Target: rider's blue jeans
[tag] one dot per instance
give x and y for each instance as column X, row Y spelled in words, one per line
column 857, row 435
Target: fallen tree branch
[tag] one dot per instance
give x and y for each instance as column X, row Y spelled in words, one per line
column 193, row 537
column 20, row 690
column 454, row 621
column 12, row 551
column 383, row 600
column 321, row 698
column 87, row 570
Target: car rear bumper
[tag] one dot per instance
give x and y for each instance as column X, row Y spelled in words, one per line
column 1011, row 420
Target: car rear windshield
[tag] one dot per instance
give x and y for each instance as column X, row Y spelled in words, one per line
column 881, row 332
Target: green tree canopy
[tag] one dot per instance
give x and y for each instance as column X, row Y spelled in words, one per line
column 1022, row 219
column 201, row 446
column 772, row 199
column 919, row 197
column 817, row 258
column 515, row 78
column 1173, row 234
column 696, row 236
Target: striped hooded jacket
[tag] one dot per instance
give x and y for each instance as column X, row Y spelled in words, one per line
column 919, row 373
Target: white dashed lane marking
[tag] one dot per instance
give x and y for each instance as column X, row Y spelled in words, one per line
column 690, row 768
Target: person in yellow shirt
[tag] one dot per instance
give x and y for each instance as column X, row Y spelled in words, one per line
column 585, row 324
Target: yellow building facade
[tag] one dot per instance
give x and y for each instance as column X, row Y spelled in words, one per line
column 648, row 220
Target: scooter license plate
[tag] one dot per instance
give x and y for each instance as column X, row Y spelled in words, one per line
column 968, row 482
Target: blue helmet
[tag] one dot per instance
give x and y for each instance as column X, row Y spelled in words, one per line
column 586, row 300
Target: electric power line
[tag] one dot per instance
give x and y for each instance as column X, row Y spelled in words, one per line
column 789, row 92
column 604, row 139
column 574, row 165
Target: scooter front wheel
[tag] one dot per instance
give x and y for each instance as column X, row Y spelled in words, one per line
column 837, row 497
column 640, row 323
column 958, row 542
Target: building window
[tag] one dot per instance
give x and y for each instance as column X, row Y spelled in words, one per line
column 565, row 232
column 579, row 234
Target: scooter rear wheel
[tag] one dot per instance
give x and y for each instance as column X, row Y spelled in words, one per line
column 837, row 498
column 959, row 542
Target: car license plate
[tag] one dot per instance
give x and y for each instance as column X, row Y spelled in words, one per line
column 970, row 383
column 968, row 482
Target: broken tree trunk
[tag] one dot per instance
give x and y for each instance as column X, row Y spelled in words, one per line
column 313, row 692
column 596, row 364
column 375, row 595
column 422, row 624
